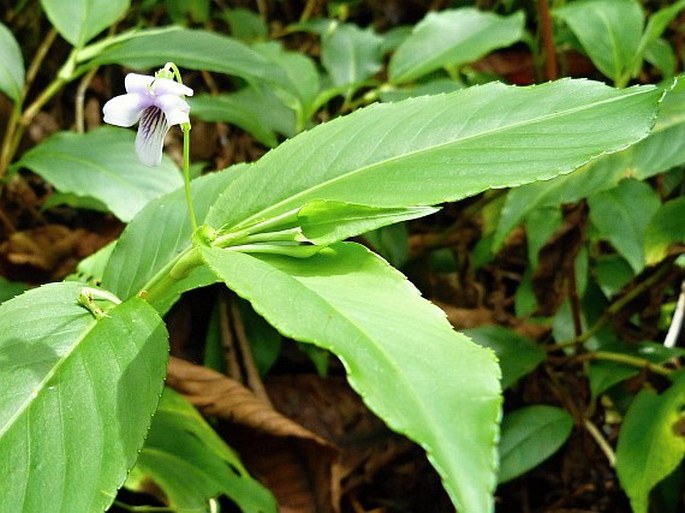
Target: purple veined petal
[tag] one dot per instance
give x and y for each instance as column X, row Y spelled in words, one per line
column 137, row 83
column 164, row 86
column 175, row 109
column 150, row 138
column 126, row 109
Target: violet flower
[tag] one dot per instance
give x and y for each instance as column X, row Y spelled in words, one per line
column 157, row 103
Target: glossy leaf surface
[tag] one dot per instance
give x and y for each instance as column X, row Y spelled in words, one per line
column 78, row 396
column 11, row 65
column 186, row 458
column 530, row 435
column 102, row 164
column 651, row 443
column 452, row 37
column 429, row 150
column 424, row 379
column 79, row 21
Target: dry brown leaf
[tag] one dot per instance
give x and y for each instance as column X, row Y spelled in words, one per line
column 298, row 466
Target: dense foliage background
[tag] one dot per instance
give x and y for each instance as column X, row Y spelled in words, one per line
column 575, row 280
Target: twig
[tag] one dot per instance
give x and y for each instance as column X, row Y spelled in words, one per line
column 634, row 361
column 600, row 441
column 677, row 321
column 551, row 72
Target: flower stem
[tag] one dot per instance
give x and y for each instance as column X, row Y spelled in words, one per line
column 186, row 174
column 170, row 66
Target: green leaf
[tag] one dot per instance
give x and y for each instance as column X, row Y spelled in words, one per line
column 11, row 65
column 349, row 54
column 78, row 397
column 429, row 150
column 295, row 77
column 517, row 355
column 79, row 21
column 102, row 164
column 621, row 216
column 391, row 242
column 145, row 247
column 452, row 38
column 185, row 457
column 246, row 25
column 529, row 436
column 193, row 49
column 9, row 289
column 664, row 229
column 325, row 222
column 651, row 443
column 258, row 112
column 656, row 25
column 610, row 32
column 182, row 11
column 661, row 54
column 659, row 152
column 348, row 301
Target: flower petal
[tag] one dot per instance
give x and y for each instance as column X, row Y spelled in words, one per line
column 137, row 83
column 150, row 139
column 164, row 86
column 125, row 110
column 175, row 109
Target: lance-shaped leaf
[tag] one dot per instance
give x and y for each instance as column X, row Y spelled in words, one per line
column 659, row 152
column 402, row 356
column 79, row 21
column 452, row 37
column 665, row 228
column 185, row 457
column 102, row 164
column 11, row 65
column 428, row 150
column 78, row 396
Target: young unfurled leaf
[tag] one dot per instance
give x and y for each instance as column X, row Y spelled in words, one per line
column 325, row 222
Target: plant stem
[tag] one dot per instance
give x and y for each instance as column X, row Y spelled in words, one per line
column 601, row 441
column 633, row 361
column 186, row 174
column 551, row 72
column 614, row 308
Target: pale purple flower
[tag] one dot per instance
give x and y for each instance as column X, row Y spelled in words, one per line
column 157, row 103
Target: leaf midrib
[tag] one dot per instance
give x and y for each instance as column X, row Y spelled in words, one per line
column 36, row 391
column 264, row 213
